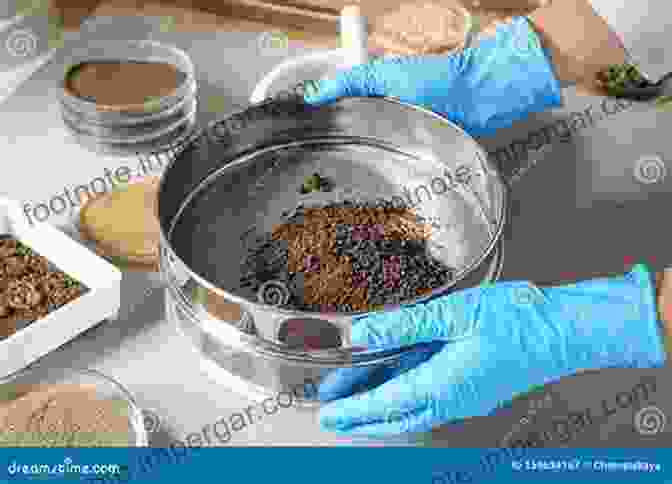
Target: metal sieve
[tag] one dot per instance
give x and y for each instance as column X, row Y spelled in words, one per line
column 241, row 176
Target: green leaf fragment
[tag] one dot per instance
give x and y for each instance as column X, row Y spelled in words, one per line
column 8, row 392
column 56, row 30
column 152, row 104
column 216, row 104
column 664, row 102
column 120, row 186
column 167, row 24
column 200, row 295
column 31, row 7
column 118, row 261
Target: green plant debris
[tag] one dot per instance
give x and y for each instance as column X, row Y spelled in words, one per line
column 71, row 70
column 118, row 261
column 23, row 250
column 315, row 183
column 216, row 104
column 120, row 186
column 56, row 30
column 617, row 77
column 9, row 392
column 167, row 24
column 200, row 295
column 32, row 7
column 152, row 104
column 664, row 103
column 120, row 408
column 70, row 281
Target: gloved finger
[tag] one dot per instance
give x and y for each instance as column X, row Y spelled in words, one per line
column 360, row 81
column 448, row 318
column 349, row 381
column 408, row 393
column 397, row 422
column 445, row 388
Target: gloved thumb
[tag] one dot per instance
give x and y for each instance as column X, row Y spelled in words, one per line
column 360, row 81
column 448, row 318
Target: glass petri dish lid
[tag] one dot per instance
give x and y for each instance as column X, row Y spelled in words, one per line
column 74, row 393
column 131, row 50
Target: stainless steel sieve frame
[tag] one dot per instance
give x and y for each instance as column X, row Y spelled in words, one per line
column 260, row 369
column 233, row 143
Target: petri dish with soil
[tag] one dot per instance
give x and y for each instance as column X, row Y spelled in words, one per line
column 40, row 407
column 127, row 97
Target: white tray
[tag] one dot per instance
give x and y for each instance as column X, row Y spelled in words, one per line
column 100, row 302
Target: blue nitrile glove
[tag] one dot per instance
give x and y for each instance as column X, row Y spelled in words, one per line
column 490, row 344
column 500, row 80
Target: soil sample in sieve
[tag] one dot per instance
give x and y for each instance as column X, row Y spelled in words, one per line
column 31, row 287
column 344, row 257
column 123, row 83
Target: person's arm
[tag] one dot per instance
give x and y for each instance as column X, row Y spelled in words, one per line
column 500, row 80
column 581, row 51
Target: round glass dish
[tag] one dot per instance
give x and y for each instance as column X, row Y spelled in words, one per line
column 143, row 138
column 130, row 127
column 39, row 378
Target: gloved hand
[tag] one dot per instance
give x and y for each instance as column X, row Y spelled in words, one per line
column 499, row 81
column 496, row 342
